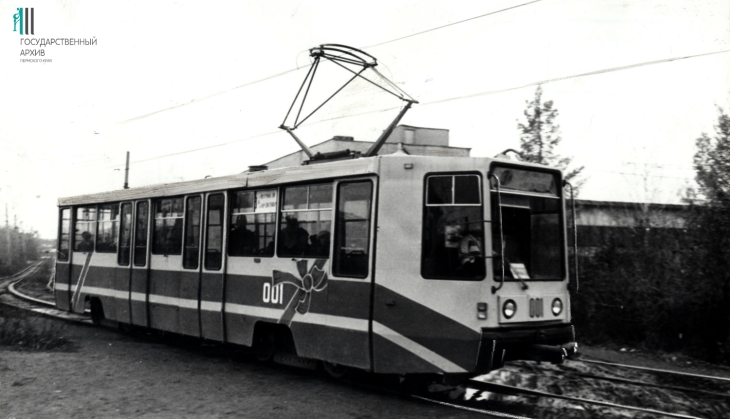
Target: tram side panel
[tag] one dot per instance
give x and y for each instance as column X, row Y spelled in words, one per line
column 253, row 296
column 350, row 273
column 164, row 289
column 101, row 282
column 62, row 285
column 326, row 314
column 419, row 325
column 211, row 316
column 248, row 298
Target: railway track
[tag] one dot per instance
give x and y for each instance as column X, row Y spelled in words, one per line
column 685, row 389
column 469, row 396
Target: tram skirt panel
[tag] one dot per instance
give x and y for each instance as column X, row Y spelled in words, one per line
column 410, row 337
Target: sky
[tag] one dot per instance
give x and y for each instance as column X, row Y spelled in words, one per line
column 196, row 89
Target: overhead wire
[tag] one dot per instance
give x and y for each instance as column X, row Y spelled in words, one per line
column 589, row 73
column 484, row 93
column 201, row 98
column 454, row 23
column 490, row 92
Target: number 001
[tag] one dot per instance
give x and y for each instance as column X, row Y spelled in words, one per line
column 273, row 294
column 535, row 307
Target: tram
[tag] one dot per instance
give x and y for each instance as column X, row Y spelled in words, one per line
column 392, row 264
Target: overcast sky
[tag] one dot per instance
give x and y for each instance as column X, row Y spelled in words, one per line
column 167, row 78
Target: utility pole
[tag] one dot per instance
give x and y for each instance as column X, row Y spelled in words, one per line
column 16, row 232
column 7, row 236
column 23, row 252
column 126, row 173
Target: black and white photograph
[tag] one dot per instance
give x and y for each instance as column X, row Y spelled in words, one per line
column 376, row 209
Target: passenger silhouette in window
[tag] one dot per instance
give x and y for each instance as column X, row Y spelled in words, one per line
column 320, row 244
column 243, row 240
column 294, row 239
column 86, row 244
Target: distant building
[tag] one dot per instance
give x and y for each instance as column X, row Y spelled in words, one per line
column 627, row 224
column 411, row 140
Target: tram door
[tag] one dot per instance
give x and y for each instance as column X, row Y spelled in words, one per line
column 123, row 273
column 82, row 252
column 213, row 268
column 350, row 284
column 189, row 279
column 139, row 280
column 63, row 261
column 173, row 273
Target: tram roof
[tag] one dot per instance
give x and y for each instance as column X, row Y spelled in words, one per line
column 257, row 179
column 335, row 169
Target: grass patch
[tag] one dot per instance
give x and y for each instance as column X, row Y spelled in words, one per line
column 20, row 331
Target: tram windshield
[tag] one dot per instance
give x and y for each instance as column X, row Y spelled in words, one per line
column 532, row 243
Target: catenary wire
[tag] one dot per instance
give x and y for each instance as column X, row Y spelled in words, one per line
column 454, row 23
column 201, row 98
column 484, row 93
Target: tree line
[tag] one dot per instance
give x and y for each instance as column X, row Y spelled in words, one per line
column 670, row 290
column 17, row 249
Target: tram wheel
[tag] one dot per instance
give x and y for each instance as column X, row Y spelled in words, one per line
column 335, row 370
column 97, row 311
column 265, row 348
column 125, row 327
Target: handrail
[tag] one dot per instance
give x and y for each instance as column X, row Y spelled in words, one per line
column 575, row 233
column 501, row 235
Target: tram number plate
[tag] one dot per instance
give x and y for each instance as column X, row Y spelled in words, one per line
column 536, row 307
column 273, row 294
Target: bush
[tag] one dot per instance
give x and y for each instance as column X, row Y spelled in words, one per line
column 31, row 332
column 651, row 294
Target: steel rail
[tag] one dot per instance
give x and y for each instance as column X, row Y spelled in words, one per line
column 636, row 383
column 518, row 390
column 470, row 409
column 18, row 294
column 657, row 370
column 645, row 384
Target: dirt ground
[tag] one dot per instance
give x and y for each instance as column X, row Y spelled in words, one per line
column 103, row 373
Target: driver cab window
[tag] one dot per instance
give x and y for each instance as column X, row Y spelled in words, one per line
column 453, row 228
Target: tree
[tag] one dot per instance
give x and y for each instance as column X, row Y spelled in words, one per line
column 710, row 222
column 540, row 137
column 712, row 164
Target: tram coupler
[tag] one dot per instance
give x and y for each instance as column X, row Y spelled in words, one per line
column 535, row 352
column 571, row 349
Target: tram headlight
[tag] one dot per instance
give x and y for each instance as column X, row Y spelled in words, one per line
column 557, row 307
column 509, row 308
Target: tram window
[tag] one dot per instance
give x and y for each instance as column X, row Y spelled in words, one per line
column 531, row 235
column 140, row 234
column 306, row 221
column 253, row 223
column 525, row 181
column 63, row 235
column 125, row 235
column 192, row 233
column 214, row 233
column 106, row 239
column 84, row 229
column 351, row 247
column 453, row 232
column 167, row 232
